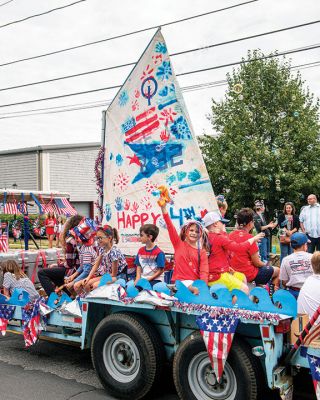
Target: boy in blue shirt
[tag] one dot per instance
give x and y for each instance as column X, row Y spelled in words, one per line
column 150, row 260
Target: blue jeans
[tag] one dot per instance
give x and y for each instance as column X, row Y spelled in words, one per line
column 285, row 250
column 84, row 271
column 264, row 248
column 314, row 244
column 294, row 293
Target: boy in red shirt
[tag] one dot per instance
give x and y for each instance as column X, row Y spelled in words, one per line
column 221, row 245
column 248, row 261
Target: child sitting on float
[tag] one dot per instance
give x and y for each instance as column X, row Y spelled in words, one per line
column 15, row 278
column 248, row 260
column 220, row 244
column 190, row 249
column 110, row 259
column 84, row 234
column 150, row 260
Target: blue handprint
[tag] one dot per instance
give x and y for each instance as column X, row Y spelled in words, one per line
column 119, row 160
column 118, row 204
column 108, row 212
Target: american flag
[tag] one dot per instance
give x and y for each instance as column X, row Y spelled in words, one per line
column 4, row 243
column 64, row 207
column 6, row 313
column 217, row 333
column 11, row 208
column 31, row 322
column 314, row 363
column 50, row 207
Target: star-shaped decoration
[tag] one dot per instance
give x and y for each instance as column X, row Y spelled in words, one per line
column 134, row 160
column 209, row 327
column 204, row 319
column 219, row 328
column 215, row 321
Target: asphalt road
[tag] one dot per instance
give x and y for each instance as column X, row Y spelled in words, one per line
column 51, row 371
column 55, row 371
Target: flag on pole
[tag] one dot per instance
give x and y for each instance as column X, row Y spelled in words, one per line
column 149, row 141
column 64, row 207
column 6, row 313
column 217, row 333
column 11, row 208
column 31, row 322
column 314, row 363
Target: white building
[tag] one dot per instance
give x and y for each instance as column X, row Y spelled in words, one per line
column 61, row 168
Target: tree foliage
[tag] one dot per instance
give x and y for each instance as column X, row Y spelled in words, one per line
column 267, row 144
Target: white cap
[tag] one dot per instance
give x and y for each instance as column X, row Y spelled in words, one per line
column 212, row 217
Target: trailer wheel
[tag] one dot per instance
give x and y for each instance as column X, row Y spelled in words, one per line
column 127, row 354
column 194, row 378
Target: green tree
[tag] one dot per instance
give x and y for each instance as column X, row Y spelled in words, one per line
column 267, row 144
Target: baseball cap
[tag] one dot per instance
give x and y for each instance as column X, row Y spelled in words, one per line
column 212, row 217
column 298, row 239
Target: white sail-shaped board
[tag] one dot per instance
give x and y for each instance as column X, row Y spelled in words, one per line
column 149, row 141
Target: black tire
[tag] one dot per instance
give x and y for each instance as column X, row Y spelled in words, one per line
column 127, row 354
column 195, row 380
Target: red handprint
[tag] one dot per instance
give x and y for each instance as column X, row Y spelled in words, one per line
column 126, row 205
column 135, row 105
column 134, row 207
column 164, row 136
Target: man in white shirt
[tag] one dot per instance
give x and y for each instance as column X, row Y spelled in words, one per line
column 296, row 267
column 309, row 297
column 310, row 222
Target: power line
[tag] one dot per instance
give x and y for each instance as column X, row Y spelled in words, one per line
column 40, row 14
column 7, row 2
column 124, row 34
column 248, row 61
column 172, row 55
column 103, row 103
column 180, row 74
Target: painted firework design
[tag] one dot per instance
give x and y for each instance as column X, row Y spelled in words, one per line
column 149, row 142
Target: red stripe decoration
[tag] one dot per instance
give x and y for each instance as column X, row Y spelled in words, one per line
column 4, row 243
column 149, row 122
column 11, row 208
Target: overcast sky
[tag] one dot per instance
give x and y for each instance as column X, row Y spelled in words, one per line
column 99, row 19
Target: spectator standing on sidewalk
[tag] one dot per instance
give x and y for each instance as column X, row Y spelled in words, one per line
column 261, row 225
column 310, row 222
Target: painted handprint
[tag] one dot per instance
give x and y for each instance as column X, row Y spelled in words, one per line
column 134, row 207
column 145, row 202
column 108, row 212
column 118, row 203
column 127, row 205
column 164, row 135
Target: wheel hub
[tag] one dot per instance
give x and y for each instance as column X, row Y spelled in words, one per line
column 121, row 357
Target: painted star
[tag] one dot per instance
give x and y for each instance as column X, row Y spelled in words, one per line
column 219, row 328
column 209, row 327
column 215, row 321
column 313, row 360
column 134, row 160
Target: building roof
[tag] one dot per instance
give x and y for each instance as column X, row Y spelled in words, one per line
column 52, row 147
